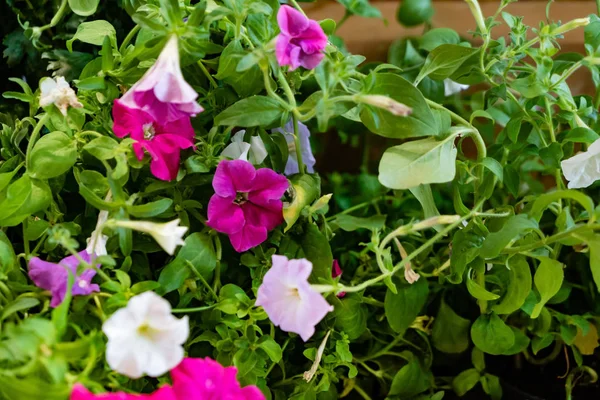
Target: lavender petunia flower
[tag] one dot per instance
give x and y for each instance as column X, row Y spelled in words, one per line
column 288, row 298
column 54, row 277
column 291, row 167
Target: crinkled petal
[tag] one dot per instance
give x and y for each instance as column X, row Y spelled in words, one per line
column 237, row 151
column 313, row 39
column 45, row 274
column 224, row 215
column 233, row 176
column 283, row 47
column 583, row 169
column 258, row 151
column 268, row 186
column 248, row 237
column 291, row 22
column 269, row 216
column 311, row 61
column 129, row 121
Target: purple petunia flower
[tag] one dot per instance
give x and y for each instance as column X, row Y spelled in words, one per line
column 54, row 277
column 291, row 167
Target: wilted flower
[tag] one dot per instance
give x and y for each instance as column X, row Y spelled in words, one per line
column 583, row 169
column 288, row 298
column 246, row 204
column 291, row 167
column 254, row 152
column 54, row 277
column 163, row 92
column 168, row 235
column 144, row 337
column 308, row 375
column 301, row 41
column 96, row 244
column 59, row 93
column 410, row 275
column 163, row 141
column 452, row 88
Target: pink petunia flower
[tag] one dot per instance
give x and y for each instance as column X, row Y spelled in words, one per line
column 301, row 41
column 163, row 92
column 54, row 277
column 288, row 298
column 247, row 203
column 206, row 379
column 336, row 271
column 162, row 140
column 193, row 378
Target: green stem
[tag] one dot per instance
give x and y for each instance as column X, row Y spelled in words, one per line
column 269, row 88
column 201, row 279
column 345, row 18
column 362, row 205
column 33, row 138
column 298, row 145
column 207, row 74
column 128, row 38
column 286, row 88
column 25, row 240
column 193, row 309
column 57, row 17
column 549, row 240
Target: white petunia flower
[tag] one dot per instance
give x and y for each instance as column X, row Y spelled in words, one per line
column 254, row 152
column 168, row 235
column 144, row 337
column 59, row 93
column 96, row 243
column 583, row 169
column 452, row 88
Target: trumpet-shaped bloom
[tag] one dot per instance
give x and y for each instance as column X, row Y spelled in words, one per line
column 162, row 92
column 301, row 41
column 59, row 93
column 206, row 379
column 162, row 140
column 254, row 152
column 583, row 169
column 79, row 392
column 288, row 298
column 451, row 88
column 168, row 235
column 96, row 244
column 247, row 203
column 144, row 337
column 291, row 167
column 54, row 277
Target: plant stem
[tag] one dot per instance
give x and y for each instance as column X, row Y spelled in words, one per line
column 298, row 145
column 362, row 205
column 57, row 17
column 128, row 38
column 34, row 136
column 207, row 74
column 192, row 309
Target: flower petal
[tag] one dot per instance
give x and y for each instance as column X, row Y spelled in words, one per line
column 224, row 215
column 269, row 217
column 248, row 237
column 129, row 121
column 268, row 186
column 291, row 21
column 232, row 177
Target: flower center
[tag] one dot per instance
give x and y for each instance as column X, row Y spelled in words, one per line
column 82, row 284
column 149, row 131
column 295, row 293
column 241, row 198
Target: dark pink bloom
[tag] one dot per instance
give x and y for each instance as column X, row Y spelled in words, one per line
column 206, row 379
column 301, row 41
column 247, row 203
column 336, row 271
column 79, row 392
column 54, row 277
column 163, row 92
column 162, row 140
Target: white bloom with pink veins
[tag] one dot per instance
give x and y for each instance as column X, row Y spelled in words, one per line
column 144, row 337
column 289, row 300
column 59, row 93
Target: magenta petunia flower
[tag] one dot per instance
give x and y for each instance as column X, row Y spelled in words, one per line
column 247, row 203
column 79, row 392
column 54, row 277
column 336, row 271
column 163, row 92
column 301, row 41
column 206, row 379
column 288, row 298
column 162, row 140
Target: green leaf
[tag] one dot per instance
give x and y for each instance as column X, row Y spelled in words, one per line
column 316, row 249
column 540, row 343
column 548, row 279
column 420, row 123
column 24, row 197
column 494, row 166
column 414, row 12
column 103, row 148
column 442, row 62
column 418, row 162
column 93, row 32
column 144, row 286
column 450, row 331
column 411, row 380
column 350, row 223
column 425, row 197
column 247, row 82
column 518, row 287
column 252, row 111
column 28, row 388
column 580, row 135
column 350, row 315
column 491, row 335
column 476, row 290
column 84, row 7
column 199, row 253
column 8, row 258
column 19, row 304
column 437, row 37
column 52, row 155
column 171, row 11
column 465, row 381
column 491, row 386
column 361, row 7
column 466, row 245
column 515, row 226
column 271, row 347
column 593, row 242
column 151, row 209
column 305, row 190
column 403, row 307
column 530, row 86
column 544, row 200
column 520, row 344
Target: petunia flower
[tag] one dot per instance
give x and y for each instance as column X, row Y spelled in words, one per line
column 451, row 88
column 162, row 139
column 162, row 92
column 247, row 203
column 583, row 169
column 301, row 41
column 59, row 93
column 144, row 337
column 96, row 244
column 291, row 167
column 79, row 392
column 168, row 235
column 288, row 298
column 54, row 277
column 336, row 271
column 206, row 379
column 254, row 152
